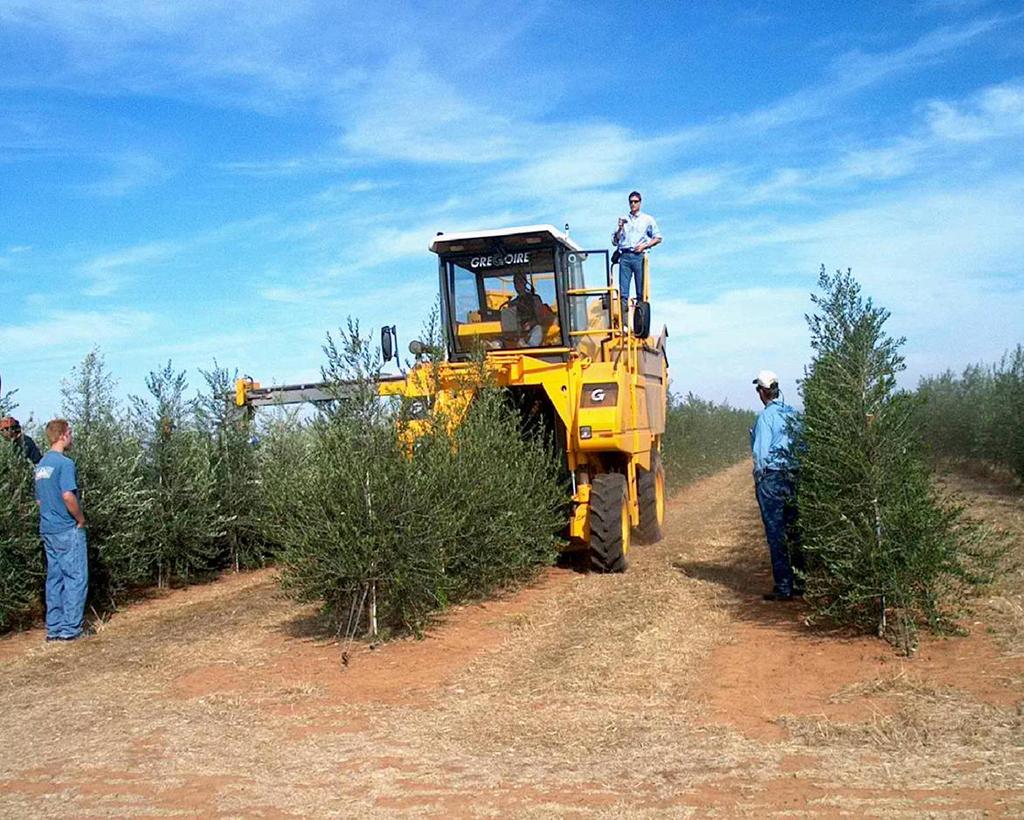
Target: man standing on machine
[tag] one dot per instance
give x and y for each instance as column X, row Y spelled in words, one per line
column 636, row 234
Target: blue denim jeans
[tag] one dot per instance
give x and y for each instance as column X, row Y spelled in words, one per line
column 776, row 496
column 67, row 581
column 631, row 266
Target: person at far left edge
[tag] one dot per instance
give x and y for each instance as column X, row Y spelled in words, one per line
column 62, row 527
column 10, row 429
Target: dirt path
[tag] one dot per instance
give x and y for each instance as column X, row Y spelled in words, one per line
column 671, row 690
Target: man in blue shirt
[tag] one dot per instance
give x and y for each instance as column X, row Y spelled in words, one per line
column 636, row 234
column 62, row 527
column 775, row 485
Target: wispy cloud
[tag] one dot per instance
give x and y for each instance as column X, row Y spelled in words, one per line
column 292, row 295
column 996, row 111
column 568, row 159
column 107, row 273
column 716, row 346
column 10, row 256
column 850, row 73
column 288, row 167
column 936, row 134
column 693, row 183
column 128, row 170
column 424, row 119
column 203, row 49
column 71, row 332
column 956, row 6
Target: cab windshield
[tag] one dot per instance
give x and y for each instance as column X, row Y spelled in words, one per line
column 504, row 299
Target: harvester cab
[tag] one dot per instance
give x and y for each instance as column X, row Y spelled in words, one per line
column 545, row 317
column 530, row 287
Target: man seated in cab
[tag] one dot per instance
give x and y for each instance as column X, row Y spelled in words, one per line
column 532, row 317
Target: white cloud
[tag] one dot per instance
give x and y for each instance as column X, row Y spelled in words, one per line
column 944, row 261
column 408, row 112
column 848, row 74
column 856, row 70
column 7, row 259
column 568, row 159
column 945, row 133
column 203, row 49
column 875, row 164
column 71, row 332
column 295, row 295
column 717, row 346
column 288, row 167
column 996, row 111
column 108, row 272
column 693, row 183
column 945, row 233
column 128, row 170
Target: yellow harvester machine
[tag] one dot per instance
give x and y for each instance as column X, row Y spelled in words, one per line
column 600, row 389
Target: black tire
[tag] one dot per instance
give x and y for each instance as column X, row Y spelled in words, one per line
column 650, row 487
column 609, row 523
column 642, row 320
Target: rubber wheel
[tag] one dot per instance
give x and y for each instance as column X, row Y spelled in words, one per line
column 650, row 487
column 609, row 523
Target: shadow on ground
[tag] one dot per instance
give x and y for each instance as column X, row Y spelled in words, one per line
column 746, row 577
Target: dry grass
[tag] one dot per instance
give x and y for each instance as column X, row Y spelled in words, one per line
column 925, row 716
column 999, row 504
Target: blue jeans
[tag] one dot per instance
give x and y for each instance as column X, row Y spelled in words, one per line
column 631, row 266
column 776, row 496
column 67, row 581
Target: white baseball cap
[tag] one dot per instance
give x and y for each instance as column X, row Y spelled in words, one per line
column 766, row 379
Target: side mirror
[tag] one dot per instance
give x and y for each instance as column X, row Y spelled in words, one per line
column 417, row 348
column 388, row 342
column 642, row 320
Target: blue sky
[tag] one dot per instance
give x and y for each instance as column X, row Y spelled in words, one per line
column 193, row 180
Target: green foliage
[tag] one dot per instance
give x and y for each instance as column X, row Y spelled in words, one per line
column 7, row 402
column 978, row 415
column 185, row 525
column 375, row 526
column 115, row 498
column 879, row 540
column 702, row 437
column 169, row 490
column 22, row 567
column 236, row 485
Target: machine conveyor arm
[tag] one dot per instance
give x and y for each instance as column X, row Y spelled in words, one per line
column 249, row 393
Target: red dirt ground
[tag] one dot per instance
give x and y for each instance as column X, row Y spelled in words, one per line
column 671, row 690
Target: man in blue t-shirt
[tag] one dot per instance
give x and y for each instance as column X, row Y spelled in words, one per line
column 775, row 486
column 62, row 526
